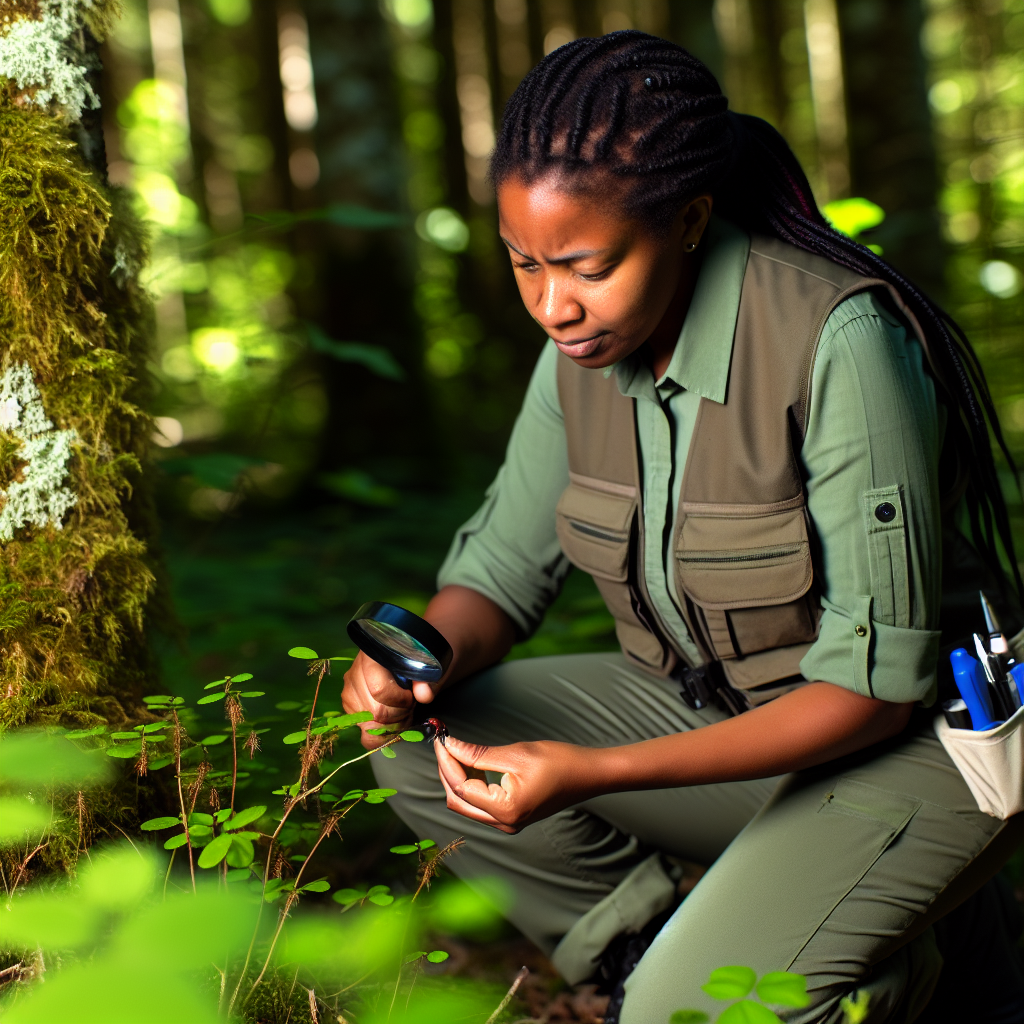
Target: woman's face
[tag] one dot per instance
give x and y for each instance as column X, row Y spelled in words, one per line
column 599, row 284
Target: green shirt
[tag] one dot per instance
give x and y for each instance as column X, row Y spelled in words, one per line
column 873, row 435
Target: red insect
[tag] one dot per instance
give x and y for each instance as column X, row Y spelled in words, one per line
column 434, row 728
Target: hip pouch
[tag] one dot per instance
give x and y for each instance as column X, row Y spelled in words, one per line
column 991, row 762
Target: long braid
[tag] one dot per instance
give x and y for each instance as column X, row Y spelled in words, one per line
column 651, row 116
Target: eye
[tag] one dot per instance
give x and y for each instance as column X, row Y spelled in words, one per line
column 524, row 266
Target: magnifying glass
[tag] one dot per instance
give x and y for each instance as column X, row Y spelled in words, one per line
column 406, row 645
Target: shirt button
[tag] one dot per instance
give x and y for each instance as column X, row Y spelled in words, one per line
column 886, row 512
column 860, row 630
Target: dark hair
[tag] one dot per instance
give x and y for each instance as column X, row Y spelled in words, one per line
column 650, row 118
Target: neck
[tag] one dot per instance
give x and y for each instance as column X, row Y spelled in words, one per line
column 662, row 342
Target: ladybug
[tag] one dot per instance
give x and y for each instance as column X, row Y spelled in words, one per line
column 435, row 729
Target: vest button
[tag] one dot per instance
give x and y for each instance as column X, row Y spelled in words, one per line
column 860, row 630
column 886, row 512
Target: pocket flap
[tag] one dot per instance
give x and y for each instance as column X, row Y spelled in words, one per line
column 594, row 528
column 744, row 556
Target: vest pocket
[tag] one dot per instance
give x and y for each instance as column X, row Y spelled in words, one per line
column 748, row 571
column 593, row 523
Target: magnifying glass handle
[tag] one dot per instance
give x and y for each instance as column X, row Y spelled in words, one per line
column 403, row 681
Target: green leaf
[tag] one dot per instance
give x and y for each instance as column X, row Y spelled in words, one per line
column 852, row 216
column 784, row 988
column 748, row 1012
column 342, row 657
column 212, row 741
column 212, row 699
column 288, row 705
column 238, row 874
column 215, row 683
column 253, row 693
column 200, row 830
column 295, row 737
column 688, row 1017
column 344, row 721
column 375, row 358
column 346, row 897
column 302, row 652
column 21, row 820
column 154, row 727
column 412, row 736
column 382, row 899
column 378, row 796
column 163, row 699
column 426, row 844
column 222, row 815
column 161, row 762
column 243, row 817
column 321, row 729
column 410, row 957
column 375, row 890
column 241, row 854
column 217, row 850
column 124, row 736
column 437, row 956
column 157, row 823
column 81, row 734
column 125, row 750
column 175, row 841
column 243, row 677
column 358, row 486
column 320, row 885
column 381, row 730
column 254, row 836
column 730, row 982
column 404, row 849
column 354, row 794
column 200, row 818
column 387, row 752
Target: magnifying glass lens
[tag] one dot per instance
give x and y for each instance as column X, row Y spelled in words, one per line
column 397, row 640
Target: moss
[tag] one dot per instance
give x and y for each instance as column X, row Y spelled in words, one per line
column 73, row 600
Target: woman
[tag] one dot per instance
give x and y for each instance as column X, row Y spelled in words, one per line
column 735, row 427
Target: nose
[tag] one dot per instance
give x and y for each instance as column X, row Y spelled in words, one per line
column 558, row 308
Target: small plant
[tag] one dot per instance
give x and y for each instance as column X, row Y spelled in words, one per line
column 242, row 858
column 780, row 988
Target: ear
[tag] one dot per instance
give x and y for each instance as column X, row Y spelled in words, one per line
column 692, row 221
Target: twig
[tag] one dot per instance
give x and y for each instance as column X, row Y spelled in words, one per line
column 325, row 666
column 11, row 970
column 430, row 868
column 181, row 796
column 520, row 978
column 24, row 864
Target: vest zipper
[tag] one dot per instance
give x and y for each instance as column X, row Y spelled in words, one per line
column 593, row 531
column 762, row 557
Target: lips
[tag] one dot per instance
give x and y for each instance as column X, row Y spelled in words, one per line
column 580, row 349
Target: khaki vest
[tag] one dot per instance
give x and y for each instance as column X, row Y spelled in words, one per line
column 743, row 546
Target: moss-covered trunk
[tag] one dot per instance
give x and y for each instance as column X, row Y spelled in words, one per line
column 75, row 513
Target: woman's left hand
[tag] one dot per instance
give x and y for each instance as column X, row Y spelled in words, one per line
column 538, row 779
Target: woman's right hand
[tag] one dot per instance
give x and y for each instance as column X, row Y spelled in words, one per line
column 371, row 687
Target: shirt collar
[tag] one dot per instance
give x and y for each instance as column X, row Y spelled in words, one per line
column 700, row 362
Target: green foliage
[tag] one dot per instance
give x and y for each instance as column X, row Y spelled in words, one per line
column 779, row 988
column 117, row 920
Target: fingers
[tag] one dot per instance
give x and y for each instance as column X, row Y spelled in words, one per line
column 467, row 810
column 370, row 687
column 473, row 797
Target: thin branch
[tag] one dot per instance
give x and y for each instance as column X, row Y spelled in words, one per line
column 24, row 864
column 520, row 978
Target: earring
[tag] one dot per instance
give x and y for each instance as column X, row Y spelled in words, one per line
column 690, row 246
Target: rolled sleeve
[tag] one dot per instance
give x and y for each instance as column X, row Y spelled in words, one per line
column 871, row 457
column 509, row 551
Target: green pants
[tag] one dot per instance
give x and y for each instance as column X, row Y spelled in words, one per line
column 836, row 872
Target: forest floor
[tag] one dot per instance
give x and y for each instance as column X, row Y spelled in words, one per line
column 247, row 589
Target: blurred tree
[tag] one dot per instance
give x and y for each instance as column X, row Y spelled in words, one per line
column 892, row 157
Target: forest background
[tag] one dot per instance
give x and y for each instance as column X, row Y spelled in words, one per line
column 338, row 347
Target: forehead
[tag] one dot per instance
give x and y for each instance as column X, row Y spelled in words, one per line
column 555, row 211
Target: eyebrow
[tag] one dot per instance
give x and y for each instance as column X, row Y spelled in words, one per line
column 581, row 254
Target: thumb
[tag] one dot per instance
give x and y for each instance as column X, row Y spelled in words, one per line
column 423, row 692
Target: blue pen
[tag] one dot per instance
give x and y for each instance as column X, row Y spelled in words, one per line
column 972, row 687
column 1015, row 679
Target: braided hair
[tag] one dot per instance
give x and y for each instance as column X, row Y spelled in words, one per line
column 642, row 117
